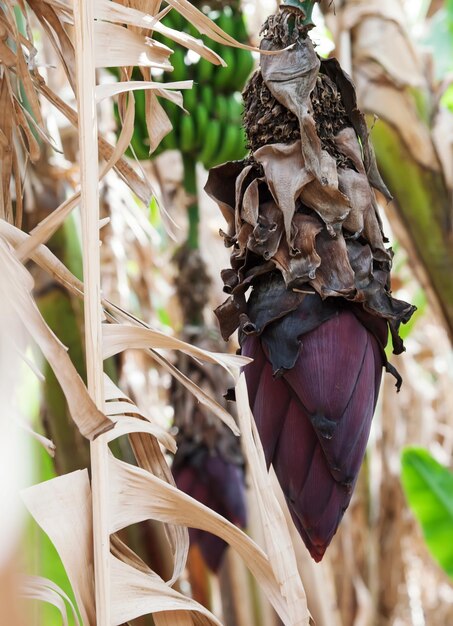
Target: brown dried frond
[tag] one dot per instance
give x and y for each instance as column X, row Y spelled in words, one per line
column 20, row 115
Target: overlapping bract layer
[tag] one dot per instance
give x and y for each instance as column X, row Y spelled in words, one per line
column 315, row 419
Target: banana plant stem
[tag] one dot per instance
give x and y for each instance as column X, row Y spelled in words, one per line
column 304, row 5
column 190, row 185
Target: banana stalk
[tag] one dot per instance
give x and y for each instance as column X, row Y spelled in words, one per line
column 306, row 6
column 190, row 186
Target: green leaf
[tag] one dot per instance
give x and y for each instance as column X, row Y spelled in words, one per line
column 420, row 301
column 440, row 40
column 447, row 98
column 428, row 486
column 449, row 7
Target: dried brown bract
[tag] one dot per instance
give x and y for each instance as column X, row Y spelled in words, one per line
column 301, row 210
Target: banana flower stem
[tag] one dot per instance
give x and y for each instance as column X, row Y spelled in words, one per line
column 190, row 185
column 304, row 5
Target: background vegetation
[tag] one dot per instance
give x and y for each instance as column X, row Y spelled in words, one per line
column 391, row 561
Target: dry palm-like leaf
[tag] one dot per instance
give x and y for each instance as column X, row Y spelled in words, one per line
column 16, row 129
column 278, row 539
column 47, row 227
column 167, row 504
column 16, row 287
column 46, row 443
column 47, row 261
column 118, row 337
column 127, row 15
column 119, row 46
column 117, row 404
column 107, row 90
column 121, row 39
column 144, row 449
column 61, row 502
column 197, row 391
column 135, row 494
column 149, row 457
column 44, row 590
column 136, row 593
column 227, row 361
column 138, row 184
column 62, row 507
column 43, row 257
column 15, row 462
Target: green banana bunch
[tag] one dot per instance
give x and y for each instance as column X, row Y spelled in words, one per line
column 239, row 62
column 212, row 132
column 215, row 134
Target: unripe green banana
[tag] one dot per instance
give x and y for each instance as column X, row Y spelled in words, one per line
column 205, row 70
column 207, row 97
column 235, row 108
column 187, row 138
column 140, row 110
column 226, row 21
column 173, row 111
column 229, row 142
column 170, row 141
column 224, row 76
column 221, row 108
column 140, row 147
column 212, row 143
column 201, row 124
column 244, row 66
column 191, row 99
column 179, row 65
column 191, row 30
column 240, row 28
column 175, row 20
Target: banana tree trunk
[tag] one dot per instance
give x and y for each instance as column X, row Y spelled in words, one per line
column 412, row 137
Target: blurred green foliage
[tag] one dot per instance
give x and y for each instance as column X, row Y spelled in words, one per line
column 439, row 38
column 428, row 486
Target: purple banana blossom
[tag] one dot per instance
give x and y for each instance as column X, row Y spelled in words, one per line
column 219, row 484
column 307, row 244
column 314, row 419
